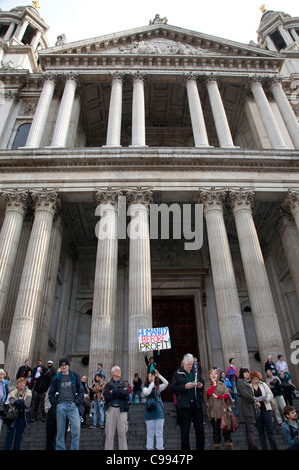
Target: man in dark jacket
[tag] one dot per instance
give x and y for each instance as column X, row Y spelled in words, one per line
column 39, row 394
column 189, row 395
column 66, row 395
column 116, row 394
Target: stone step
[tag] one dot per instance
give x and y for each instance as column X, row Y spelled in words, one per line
column 94, row 439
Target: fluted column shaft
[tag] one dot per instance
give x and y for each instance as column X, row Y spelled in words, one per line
column 115, row 112
column 41, row 114
column 9, row 240
column 138, row 111
column 140, row 290
column 267, row 115
column 197, row 118
column 225, row 286
column 23, row 331
column 102, row 342
column 65, row 112
column 219, row 115
column 290, row 240
column 286, row 111
column 262, row 305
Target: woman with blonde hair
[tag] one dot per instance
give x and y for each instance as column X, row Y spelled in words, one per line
column 19, row 399
column 264, row 418
column 216, row 397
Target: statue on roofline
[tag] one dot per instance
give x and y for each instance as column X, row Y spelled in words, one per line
column 157, row 20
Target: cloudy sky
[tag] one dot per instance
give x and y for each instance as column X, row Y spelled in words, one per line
column 236, row 20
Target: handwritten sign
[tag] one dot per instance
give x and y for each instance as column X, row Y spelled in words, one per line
column 152, row 339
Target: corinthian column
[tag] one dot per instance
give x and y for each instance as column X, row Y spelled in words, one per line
column 197, row 119
column 23, row 330
column 262, row 305
column 102, row 342
column 138, row 111
column 41, row 113
column 290, row 240
column 65, row 111
column 266, row 113
column 219, row 115
column 9, row 240
column 140, row 290
column 286, row 111
column 115, row 110
column 225, row 286
column 291, row 203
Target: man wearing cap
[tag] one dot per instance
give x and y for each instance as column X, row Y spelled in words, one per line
column 51, row 369
column 66, row 395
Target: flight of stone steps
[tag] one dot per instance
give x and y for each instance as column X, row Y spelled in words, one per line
column 93, row 439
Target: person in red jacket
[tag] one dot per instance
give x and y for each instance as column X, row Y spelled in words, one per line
column 216, row 396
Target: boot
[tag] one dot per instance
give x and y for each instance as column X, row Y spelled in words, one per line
column 228, row 445
column 216, row 446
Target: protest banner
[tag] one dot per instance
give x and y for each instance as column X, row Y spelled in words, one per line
column 152, row 339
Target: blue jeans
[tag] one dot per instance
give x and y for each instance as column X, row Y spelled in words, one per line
column 16, row 430
column 98, row 408
column 70, row 411
column 139, row 395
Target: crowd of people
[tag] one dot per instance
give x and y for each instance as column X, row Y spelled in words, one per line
column 65, row 400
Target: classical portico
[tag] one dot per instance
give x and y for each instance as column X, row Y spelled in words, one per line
column 101, row 132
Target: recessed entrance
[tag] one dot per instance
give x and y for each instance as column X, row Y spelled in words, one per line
column 178, row 315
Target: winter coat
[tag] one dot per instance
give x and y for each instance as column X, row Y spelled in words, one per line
column 178, row 383
column 215, row 405
column 266, row 392
column 120, row 392
column 98, row 388
column 246, row 402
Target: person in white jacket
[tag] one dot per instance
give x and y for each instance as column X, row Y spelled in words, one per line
column 264, row 422
column 154, row 409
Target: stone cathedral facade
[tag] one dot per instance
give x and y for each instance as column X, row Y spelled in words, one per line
column 96, row 133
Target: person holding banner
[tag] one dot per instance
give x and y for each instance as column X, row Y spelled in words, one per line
column 154, row 410
column 187, row 385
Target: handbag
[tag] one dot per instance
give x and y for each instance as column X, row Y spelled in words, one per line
column 151, row 405
column 234, row 421
column 10, row 416
column 225, row 421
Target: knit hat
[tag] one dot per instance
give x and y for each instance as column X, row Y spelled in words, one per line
column 64, row 362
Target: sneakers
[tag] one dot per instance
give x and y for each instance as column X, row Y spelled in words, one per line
column 92, row 426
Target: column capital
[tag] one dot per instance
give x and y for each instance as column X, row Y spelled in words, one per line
column 140, row 196
column 46, row 200
column 15, row 199
column 212, row 77
column 276, row 79
column 252, row 79
column 291, row 201
column 108, row 196
column 49, row 76
column 212, row 199
column 242, row 199
column 75, row 77
column 188, row 76
column 138, row 76
column 117, row 76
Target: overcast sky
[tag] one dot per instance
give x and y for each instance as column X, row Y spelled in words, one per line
column 236, row 20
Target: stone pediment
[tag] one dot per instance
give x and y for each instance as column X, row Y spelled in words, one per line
column 159, row 39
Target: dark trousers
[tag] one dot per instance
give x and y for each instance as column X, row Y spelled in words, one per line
column 51, row 429
column 264, row 425
column 186, row 416
column 217, row 432
column 38, row 400
column 249, row 430
column 16, row 430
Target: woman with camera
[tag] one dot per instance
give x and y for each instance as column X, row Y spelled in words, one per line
column 154, row 410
